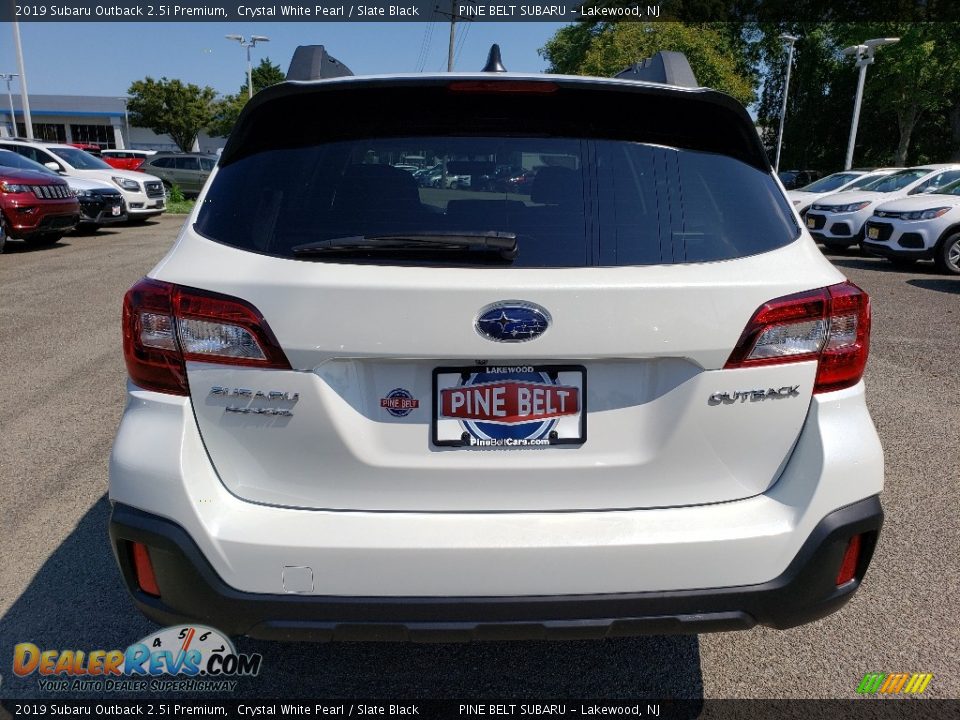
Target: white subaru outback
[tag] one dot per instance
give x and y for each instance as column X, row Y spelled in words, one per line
column 628, row 399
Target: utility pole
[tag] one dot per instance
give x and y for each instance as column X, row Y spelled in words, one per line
column 453, row 35
column 454, row 18
column 24, row 94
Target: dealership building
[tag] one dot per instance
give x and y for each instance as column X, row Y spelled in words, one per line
column 102, row 121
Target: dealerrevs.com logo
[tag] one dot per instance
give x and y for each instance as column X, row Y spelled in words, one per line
column 186, row 658
column 894, row 683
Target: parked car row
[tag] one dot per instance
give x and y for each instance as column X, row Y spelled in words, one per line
column 143, row 194
column 47, row 190
column 903, row 214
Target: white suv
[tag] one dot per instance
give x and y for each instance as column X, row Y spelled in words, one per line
column 923, row 227
column 143, row 194
column 629, row 400
column 837, row 220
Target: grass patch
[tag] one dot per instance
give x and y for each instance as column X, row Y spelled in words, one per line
column 180, row 207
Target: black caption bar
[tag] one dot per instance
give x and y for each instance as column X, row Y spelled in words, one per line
column 444, row 709
column 482, row 11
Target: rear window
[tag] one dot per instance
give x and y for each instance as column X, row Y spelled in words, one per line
column 570, row 202
column 580, row 173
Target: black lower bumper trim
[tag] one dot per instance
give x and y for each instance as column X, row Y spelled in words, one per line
column 191, row 591
column 886, row 251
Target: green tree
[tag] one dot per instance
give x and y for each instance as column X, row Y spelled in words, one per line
column 170, row 107
column 914, row 78
column 605, row 49
column 227, row 110
column 264, row 75
column 909, row 92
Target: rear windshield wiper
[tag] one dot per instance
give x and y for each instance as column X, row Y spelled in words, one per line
column 504, row 243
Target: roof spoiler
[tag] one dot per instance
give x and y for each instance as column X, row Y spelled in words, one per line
column 312, row 62
column 666, row 67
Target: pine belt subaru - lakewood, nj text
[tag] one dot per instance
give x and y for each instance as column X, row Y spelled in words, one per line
column 628, row 400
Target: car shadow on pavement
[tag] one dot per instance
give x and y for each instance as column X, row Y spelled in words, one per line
column 861, row 263
column 882, row 265
column 19, row 246
column 97, row 232
column 76, row 601
column 943, row 285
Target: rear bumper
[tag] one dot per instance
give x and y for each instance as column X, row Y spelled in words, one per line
column 191, row 591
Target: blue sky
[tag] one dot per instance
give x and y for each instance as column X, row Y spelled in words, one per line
column 85, row 58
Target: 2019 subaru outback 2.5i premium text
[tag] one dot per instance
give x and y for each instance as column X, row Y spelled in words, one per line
column 628, row 401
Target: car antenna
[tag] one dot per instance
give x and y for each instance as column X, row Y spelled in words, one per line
column 494, row 63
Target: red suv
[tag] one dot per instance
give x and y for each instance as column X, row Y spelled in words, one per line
column 35, row 206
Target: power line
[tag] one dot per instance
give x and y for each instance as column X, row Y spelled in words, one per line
column 460, row 44
column 425, row 45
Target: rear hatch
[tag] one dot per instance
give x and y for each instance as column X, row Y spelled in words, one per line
column 487, row 348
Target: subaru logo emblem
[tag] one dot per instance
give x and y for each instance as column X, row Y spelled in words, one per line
column 512, row 321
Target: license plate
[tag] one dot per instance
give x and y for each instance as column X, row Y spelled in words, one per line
column 811, row 222
column 509, row 406
column 115, row 210
column 873, row 233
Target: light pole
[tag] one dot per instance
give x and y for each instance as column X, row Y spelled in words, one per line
column 864, row 56
column 13, row 117
column 790, row 39
column 126, row 122
column 24, row 93
column 251, row 43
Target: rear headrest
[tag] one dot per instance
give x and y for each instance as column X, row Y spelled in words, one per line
column 376, row 187
column 556, row 186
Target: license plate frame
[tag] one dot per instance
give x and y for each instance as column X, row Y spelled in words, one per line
column 566, row 428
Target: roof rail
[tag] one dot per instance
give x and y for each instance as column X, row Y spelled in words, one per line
column 312, row 62
column 667, row 67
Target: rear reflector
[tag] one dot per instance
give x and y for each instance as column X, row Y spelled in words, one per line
column 164, row 325
column 143, row 569
column 830, row 325
column 848, row 568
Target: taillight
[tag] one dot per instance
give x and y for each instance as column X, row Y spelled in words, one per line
column 830, row 325
column 164, row 325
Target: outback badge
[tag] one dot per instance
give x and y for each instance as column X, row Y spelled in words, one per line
column 512, row 321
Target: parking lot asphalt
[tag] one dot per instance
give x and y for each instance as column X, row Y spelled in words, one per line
column 63, row 388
